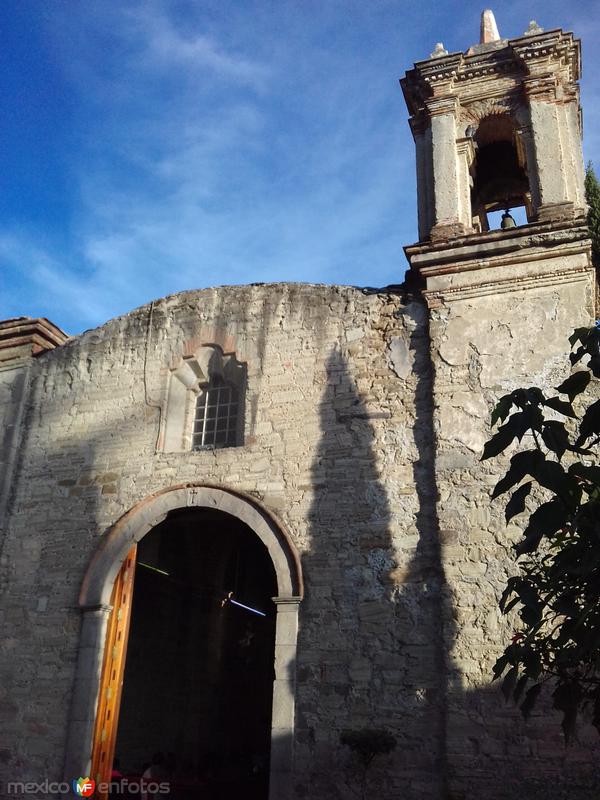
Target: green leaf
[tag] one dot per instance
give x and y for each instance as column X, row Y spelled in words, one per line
column 531, row 613
column 566, row 698
column 596, row 711
column 564, row 408
column 509, row 606
column 528, row 594
column 520, row 687
column 532, row 664
column 565, row 604
column 531, row 616
column 500, row 666
column 516, row 504
column 574, row 385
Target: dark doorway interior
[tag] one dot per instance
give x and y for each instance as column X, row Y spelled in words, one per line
column 199, row 673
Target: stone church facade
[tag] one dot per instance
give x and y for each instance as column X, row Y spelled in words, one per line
column 348, row 448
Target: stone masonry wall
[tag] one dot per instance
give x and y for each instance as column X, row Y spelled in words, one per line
column 370, row 458
column 330, row 447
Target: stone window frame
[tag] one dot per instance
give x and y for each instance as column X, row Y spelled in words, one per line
column 186, row 381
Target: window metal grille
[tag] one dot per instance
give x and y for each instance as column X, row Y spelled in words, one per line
column 216, row 419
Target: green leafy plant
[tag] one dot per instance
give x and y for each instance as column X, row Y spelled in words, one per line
column 366, row 744
column 556, row 483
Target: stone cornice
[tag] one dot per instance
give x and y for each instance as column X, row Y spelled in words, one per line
column 23, row 337
column 552, row 53
column 442, row 105
column 498, row 261
column 555, row 47
column 541, row 87
column 546, row 234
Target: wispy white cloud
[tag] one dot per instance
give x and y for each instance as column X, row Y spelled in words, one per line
column 50, row 286
column 167, row 48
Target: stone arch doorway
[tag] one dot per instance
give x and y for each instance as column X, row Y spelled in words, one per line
column 109, row 568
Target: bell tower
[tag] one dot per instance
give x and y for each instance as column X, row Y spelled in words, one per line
column 497, row 127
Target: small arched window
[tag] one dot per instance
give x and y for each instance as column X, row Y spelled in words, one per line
column 216, row 421
column 205, row 401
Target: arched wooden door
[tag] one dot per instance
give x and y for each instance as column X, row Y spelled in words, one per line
column 92, row 727
column 113, row 667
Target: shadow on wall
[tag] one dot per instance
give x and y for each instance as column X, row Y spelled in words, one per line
column 369, row 653
column 58, row 488
column 377, row 630
column 490, row 751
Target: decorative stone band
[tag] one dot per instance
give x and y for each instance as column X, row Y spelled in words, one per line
column 442, row 105
column 439, row 297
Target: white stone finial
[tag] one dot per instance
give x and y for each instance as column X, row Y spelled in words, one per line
column 439, row 50
column 533, row 29
column 489, row 29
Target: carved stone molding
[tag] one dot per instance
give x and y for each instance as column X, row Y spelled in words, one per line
column 442, row 105
column 479, row 109
column 541, row 87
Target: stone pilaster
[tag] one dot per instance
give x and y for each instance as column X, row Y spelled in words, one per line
column 421, row 131
column 446, row 170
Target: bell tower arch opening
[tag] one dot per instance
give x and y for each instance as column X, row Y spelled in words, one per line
column 198, row 670
column 499, row 173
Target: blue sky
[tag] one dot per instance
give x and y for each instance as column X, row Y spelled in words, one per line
column 154, row 146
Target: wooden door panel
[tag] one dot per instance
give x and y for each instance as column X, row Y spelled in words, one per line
column 113, row 667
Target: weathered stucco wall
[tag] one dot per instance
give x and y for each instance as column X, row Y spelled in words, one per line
column 484, row 347
column 332, row 447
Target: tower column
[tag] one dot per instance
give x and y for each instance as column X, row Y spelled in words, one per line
column 421, row 132
column 528, row 145
column 548, row 147
column 446, row 173
column 574, row 153
column 465, row 149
